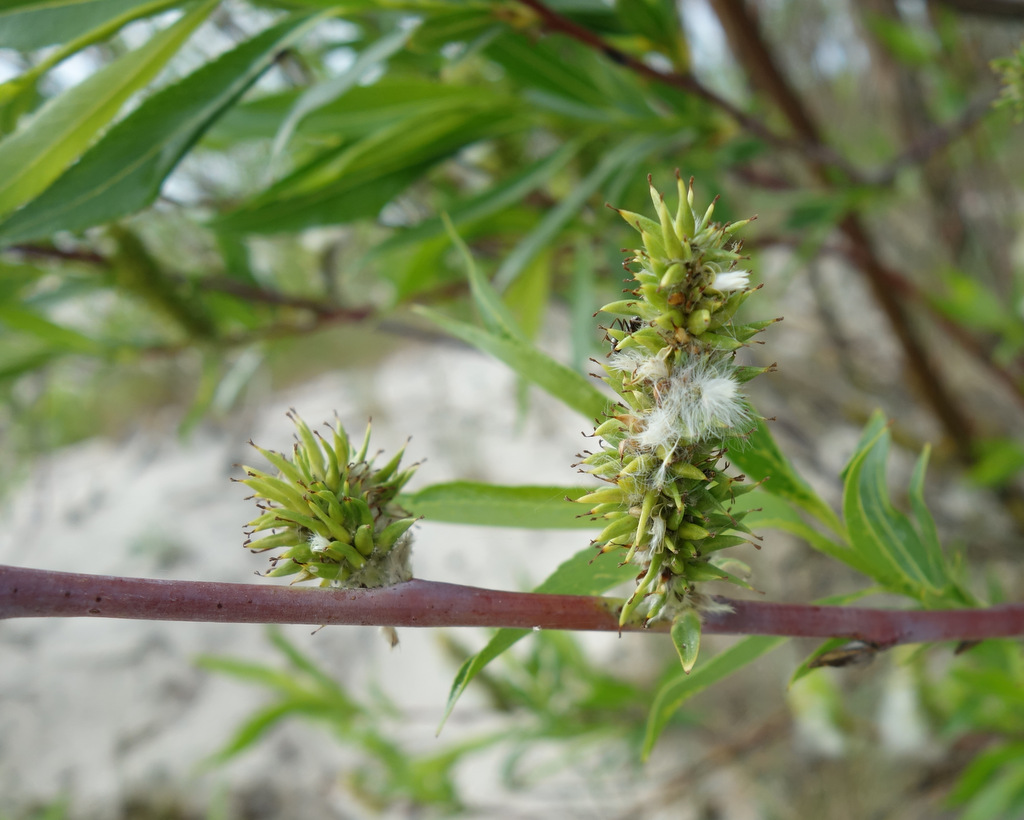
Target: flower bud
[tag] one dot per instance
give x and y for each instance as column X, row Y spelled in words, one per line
column 332, row 513
column 673, row 368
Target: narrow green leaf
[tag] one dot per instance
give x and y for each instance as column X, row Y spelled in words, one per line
column 539, row 63
column 881, row 534
column 1002, row 796
column 251, row 731
column 558, row 217
column 357, row 198
column 777, row 513
column 361, row 111
column 924, row 524
column 378, row 167
column 98, row 19
column 586, row 573
column 529, row 296
column 123, row 172
column 282, row 682
column 327, row 92
column 981, row 771
column 564, row 384
column 57, row 336
column 16, row 360
column 469, row 502
column 679, row 688
column 495, row 315
column 760, row 458
column 35, row 155
column 32, row 25
column 657, row 20
column 499, row 196
column 328, row 685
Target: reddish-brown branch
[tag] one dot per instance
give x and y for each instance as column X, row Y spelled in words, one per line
column 934, row 140
column 28, row 593
column 739, row 23
column 1010, row 374
column 44, row 252
column 553, row 21
column 255, row 294
column 760, row 63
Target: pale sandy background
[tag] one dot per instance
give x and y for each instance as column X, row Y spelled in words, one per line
column 114, row 714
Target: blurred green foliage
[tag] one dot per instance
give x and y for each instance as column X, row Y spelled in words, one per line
column 196, row 194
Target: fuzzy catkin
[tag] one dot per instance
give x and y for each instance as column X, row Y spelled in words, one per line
column 668, row 503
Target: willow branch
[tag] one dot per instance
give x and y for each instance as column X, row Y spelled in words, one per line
column 45, row 252
column 996, row 9
column 934, row 141
column 759, row 61
column 33, row 593
column 553, row 21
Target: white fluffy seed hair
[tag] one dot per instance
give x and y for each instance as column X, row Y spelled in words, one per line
column 657, row 529
column 732, row 280
column 702, row 402
column 640, row 364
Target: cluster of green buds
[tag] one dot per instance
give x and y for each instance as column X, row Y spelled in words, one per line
column 332, row 512
column 668, row 503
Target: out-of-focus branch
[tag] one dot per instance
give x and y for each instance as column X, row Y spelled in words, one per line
column 933, row 141
column 49, row 252
column 757, row 57
column 1011, row 376
column 254, row 293
column 1003, row 9
column 553, row 21
column 759, row 63
column 33, row 593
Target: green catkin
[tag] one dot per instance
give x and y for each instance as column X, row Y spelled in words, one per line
column 672, row 365
column 334, row 516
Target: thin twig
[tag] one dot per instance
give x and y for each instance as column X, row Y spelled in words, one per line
column 29, row 593
column 553, row 21
column 1002, row 9
column 47, row 252
column 738, row 17
column 1010, row 374
column 934, row 141
column 324, row 308
column 821, row 158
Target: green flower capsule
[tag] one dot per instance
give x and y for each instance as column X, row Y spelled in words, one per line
column 331, row 512
column 672, row 364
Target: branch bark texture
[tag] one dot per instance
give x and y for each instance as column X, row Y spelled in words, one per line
column 33, row 593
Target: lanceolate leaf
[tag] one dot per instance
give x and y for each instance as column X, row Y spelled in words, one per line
column 27, row 26
column 497, row 318
column 323, row 93
column 56, row 336
column 884, row 537
column 124, row 171
column 322, row 191
column 586, row 573
column 469, row 502
column 36, row 154
column 564, row 384
column 681, row 687
column 499, row 196
column 38, row 24
column 760, row 458
column 360, row 112
column 558, row 217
